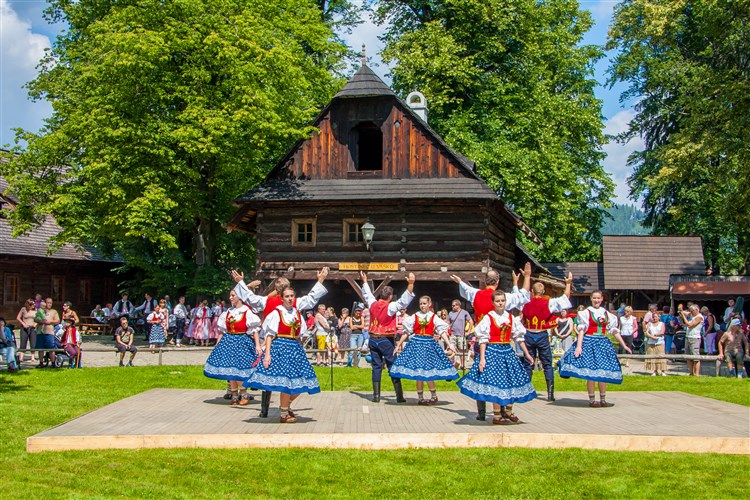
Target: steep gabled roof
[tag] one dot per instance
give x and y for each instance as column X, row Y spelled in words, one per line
column 364, row 83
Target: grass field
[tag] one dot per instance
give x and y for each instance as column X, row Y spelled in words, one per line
column 34, row 400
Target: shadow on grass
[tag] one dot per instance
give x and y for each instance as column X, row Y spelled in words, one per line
column 12, row 382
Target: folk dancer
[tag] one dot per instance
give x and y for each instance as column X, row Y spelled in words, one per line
column 498, row 376
column 594, row 359
column 423, row 359
column 236, row 350
column 158, row 320
column 285, row 368
column 538, row 318
column 382, row 331
column 267, row 304
column 482, row 303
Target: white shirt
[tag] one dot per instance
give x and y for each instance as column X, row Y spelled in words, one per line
column 655, row 329
column 271, row 323
column 482, row 330
column 441, row 326
column 694, row 332
column 393, row 307
column 516, row 299
column 252, row 322
column 598, row 313
column 180, row 311
column 258, row 303
column 628, row 326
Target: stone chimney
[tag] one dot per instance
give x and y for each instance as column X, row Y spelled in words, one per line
column 418, row 103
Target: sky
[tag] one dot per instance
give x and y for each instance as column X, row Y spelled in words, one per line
column 25, row 34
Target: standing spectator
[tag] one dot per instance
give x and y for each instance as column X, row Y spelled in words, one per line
column 654, row 333
column 45, row 339
column 345, row 335
column 322, row 329
column 731, row 348
column 629, row 330
column 652, row 309
column 693, row 321
column 459, row 321
column 167, row 303
column 122, row 307
column 729, row 312
column 25, row 318
column 180, row 314
column 68, row 314
column 670, row 326
column 148, row 306
column 709, row 329
column 124, row 336
column 357, row 339
column 564, row 330
column 8, row 347
column 71, row 342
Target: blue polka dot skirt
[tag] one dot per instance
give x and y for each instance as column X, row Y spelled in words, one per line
column 504, row 380
column 423, row 359
column 597, row 362
column 290, row 372
column 157, row 335
column 232, row 358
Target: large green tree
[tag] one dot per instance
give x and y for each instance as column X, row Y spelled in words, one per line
column 509, row 84
column 164, row 111
column 687, row 63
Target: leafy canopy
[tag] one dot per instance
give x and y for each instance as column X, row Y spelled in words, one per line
column 688, row 64
column 510, row 85
column 164, row 112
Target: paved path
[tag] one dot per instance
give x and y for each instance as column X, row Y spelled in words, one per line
column 170, row 418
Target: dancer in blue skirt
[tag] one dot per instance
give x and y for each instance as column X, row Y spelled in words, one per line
column 593, row 358
column 285, row 368
column 498, row 375
column 423, row 359
column 236, row 350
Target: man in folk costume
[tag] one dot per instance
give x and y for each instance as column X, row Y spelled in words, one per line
column 267, row 304
column 383, row 331
column 539, row 315
column 482, row 303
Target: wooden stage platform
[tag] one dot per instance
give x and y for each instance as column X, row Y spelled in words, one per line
column 184, row 418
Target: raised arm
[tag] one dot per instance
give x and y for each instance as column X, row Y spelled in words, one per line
column 568, row 284
column 466, row 291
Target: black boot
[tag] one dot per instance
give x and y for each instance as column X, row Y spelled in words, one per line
column 376, row 392
column 399, row 391
column 481, row 410
column 265, row 403
column 550, row 390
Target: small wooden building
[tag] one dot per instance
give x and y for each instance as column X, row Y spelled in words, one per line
column 83, row 277
column 375, row 159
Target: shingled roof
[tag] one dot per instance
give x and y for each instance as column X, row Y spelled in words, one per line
column 645, row 262
column 364, row 83
column 587, row 276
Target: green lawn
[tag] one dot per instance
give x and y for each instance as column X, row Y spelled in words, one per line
column 34, row 400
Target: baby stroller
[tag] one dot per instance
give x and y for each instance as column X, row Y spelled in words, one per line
column 639, row 345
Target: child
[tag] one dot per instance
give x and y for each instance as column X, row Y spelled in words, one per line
column 731, row 348
column 8, row 346
column 71, row 341
column 593, row 359
column 498, row 376
column 158, row 320
column 332, row 346
column 423, row 359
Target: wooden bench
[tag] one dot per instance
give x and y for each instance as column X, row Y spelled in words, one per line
column 90, row 326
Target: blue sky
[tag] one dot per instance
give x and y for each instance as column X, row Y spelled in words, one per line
column 24, row 35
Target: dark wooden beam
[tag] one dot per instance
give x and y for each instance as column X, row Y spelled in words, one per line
column 382, row 285
column 356, row 288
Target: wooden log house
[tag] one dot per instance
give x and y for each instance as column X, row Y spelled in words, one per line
column 375, row 159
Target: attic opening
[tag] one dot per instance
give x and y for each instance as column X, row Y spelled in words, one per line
column 366, row 146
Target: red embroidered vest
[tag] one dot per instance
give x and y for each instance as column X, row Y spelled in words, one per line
column 381, row 323
column 597, row 327
column 536, row 315
column 289, row 330
column 424, row 327
column 483, row 304
column 500, row 334
column 237, row 326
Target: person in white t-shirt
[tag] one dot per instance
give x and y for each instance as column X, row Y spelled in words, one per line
column 693, row 321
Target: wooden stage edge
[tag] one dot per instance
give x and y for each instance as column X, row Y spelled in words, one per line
column 395, row 441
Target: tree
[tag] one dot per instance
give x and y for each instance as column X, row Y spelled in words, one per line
column 164, row 112
column 687, row 63
column 510, row 85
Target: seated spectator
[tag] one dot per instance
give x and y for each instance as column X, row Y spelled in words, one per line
column 8, row 346
column 98, row 314
column 71, row 343
column 124, row 336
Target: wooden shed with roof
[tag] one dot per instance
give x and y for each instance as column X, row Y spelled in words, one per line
column 81, row 275
column 375, row 159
